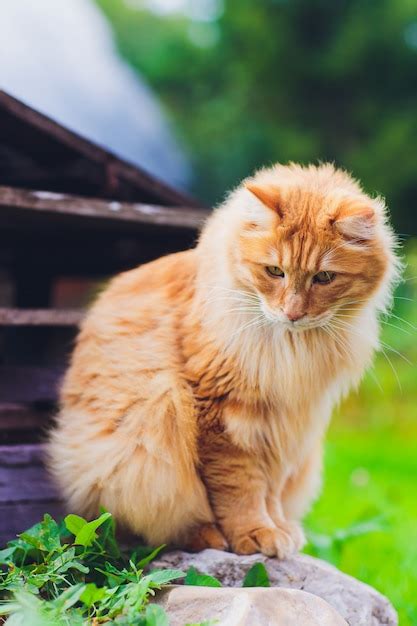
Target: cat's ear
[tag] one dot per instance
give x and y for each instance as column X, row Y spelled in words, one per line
column 269, row 195
column 355, row 220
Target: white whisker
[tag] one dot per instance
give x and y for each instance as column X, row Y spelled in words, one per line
column 240, row 292
column 249, row 324
column 338, row 339
column 401, row 319
column 393, row 369
column 371, row 370
column 352, row 329
column 404, row 330
column 382, row 346
column 404, row 298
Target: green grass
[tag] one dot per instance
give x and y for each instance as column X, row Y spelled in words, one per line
column 371, row 467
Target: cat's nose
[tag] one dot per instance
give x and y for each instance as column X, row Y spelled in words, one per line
column 293, row 316
column 294, row 308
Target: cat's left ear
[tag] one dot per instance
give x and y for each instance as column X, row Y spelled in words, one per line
column 355, row 220
column 269, row 195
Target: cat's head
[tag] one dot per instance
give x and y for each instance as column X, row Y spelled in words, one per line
column 308, row 243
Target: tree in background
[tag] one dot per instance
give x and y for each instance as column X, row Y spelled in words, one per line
column 248, row 83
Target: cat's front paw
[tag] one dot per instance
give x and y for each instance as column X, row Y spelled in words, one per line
column 282, row 541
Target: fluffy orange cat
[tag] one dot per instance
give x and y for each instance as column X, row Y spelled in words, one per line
column 202, row 383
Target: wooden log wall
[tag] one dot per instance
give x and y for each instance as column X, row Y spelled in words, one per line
column 26, row 492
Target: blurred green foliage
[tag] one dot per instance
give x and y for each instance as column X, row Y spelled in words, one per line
column 275, row 80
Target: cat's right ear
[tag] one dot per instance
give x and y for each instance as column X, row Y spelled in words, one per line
column 355, row 220
column 269, row 195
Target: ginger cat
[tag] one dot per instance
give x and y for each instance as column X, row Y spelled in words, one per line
column 202, row 383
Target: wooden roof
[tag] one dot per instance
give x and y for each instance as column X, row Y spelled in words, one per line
column 38, row 153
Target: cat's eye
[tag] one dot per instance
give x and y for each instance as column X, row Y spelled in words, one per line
column 323, row 278
column 275, row 271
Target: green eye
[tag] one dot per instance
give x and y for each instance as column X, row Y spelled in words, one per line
column 323, row 278
column 275, row 271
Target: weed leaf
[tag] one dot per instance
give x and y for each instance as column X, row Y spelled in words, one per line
column 74, row 523
column 196, row 579
column 256, row 576
column 87, row 534
column 164, row 576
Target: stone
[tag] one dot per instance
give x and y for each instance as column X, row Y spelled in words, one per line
column 247, row 607
column 357, row 603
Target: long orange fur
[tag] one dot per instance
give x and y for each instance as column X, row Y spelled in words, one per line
column 201, row 385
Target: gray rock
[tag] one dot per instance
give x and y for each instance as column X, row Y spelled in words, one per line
column 357, row 603
column 247, row 607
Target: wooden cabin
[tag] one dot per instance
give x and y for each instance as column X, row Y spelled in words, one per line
column 71, row 215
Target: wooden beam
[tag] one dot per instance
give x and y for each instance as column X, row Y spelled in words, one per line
column 40, row 317
column 27, row 385
column 15, row 461
column 16, row 517
column 18, row 419
column 46, row 203
column 17, row 456
column 26, row 490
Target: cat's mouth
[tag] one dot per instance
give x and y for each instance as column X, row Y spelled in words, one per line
column 307, row 322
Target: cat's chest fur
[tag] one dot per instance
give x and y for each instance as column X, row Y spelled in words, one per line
column 273, row 398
